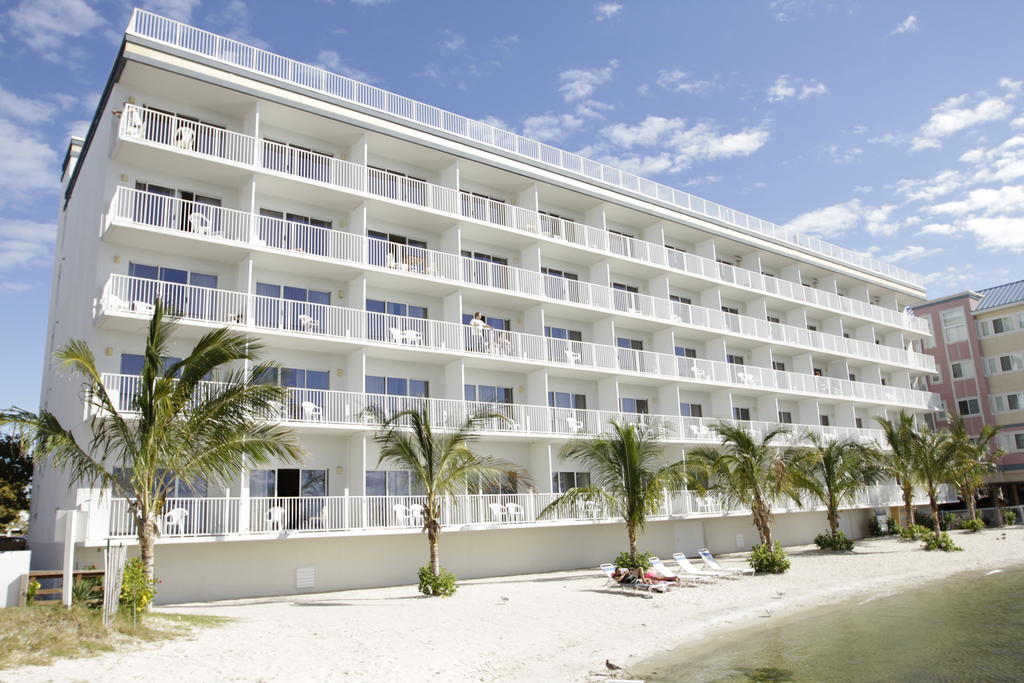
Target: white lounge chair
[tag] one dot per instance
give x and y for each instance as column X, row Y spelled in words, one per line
column 175, row 518
column 659, row 566
column 685, row 566
column 311, row 412
column 609, row 570
column 712, row 563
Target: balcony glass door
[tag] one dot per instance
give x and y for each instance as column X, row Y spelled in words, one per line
column 156, row 207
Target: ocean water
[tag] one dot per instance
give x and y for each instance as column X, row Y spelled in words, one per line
column 966, row 628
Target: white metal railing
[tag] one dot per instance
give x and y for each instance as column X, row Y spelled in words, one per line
column 194, row 517
column 227, row 51
column 131, row 295
column 140, row 123
column 366, row 411
column 167, row 213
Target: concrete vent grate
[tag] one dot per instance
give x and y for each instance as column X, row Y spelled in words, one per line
column 305, row 577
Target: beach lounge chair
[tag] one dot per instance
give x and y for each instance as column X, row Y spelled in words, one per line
column 687, row 567
column 712, row 563
column 659, row 566
column 609, row 569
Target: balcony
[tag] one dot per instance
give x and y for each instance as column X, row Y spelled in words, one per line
column 235, row 54
column 197, row 139
column 327, row 409
column 222, row 226
column 125, row 296
column 213, row 519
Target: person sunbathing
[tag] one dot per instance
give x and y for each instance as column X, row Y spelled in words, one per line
column 629, row 577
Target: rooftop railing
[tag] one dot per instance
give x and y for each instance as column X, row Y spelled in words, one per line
column 185, row 518
column 232, row 52
column 186, row 135
column 365, row 411
column 153, row 210
column 125, row 294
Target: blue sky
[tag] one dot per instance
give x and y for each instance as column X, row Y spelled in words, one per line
column 890, row 127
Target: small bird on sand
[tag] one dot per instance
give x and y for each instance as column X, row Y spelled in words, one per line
column 504, row 599
column 611, row 667
column 779, row 594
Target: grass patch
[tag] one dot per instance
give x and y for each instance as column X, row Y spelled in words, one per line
column 41, row 634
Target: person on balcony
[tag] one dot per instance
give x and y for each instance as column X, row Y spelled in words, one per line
column 481, row 331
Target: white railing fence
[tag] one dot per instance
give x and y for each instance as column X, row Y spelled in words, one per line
column 235, row 53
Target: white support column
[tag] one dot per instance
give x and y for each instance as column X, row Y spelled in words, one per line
column 70, row 537
column 359, row 151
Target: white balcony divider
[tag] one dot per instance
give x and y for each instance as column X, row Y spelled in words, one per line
column 282, row 516
column 349, row 248
column 227, row 51
column 335, row 172
column 130, row 295
column 365, row 411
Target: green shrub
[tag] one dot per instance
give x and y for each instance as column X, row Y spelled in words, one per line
column 893, row 525
column 137, row 590
column 631, row 561
column 769, row 560
column 874, row 527
column 974, row 525
column 924, row 519
column 30, row 592
column 1009, row 517
column 88, row 591
column 914, row 532
column 951, row 521
column 440, row 585
column 826, row 541
column 940, row 541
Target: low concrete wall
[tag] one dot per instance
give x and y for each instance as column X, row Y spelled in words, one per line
column 13, row 565
column 241, row 569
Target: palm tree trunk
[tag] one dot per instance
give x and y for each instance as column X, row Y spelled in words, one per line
column 147, row 543
column 435, row 557
column 933, row 503
column 972, row 507
column 833, row 521
column 631, row 532
column 908, row 503
column 759, row 512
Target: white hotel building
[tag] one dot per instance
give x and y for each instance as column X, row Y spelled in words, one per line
column 355, row 232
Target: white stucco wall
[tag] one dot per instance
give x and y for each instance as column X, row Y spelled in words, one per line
column 13, row 565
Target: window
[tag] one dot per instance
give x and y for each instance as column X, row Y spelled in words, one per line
column 627, row 359
column 291, row 308
column 996, row 326
column 564, row 399
column 954, row 327
column 563, row 481
column 778, row 365
column 560, row 284
column 773, row 319
column 859, row 422
column 730, row 309
column 193, row 213
column 686, row 352
column 929, row 339
column 1018, row 441
column 1011, row 362
column 935, row 379
column 627, row 297
column 563, row 346
column 823, row 420
column 288, row 483
column 691, row 410
column 818, row 372
column 741, row 414
column 292, row 231
column 638, row 406
column 397, row 185
column 557, row 226
column 1007, row 402
column 620, row 242
column 812, row 328
column 853, row 377
column 496, row 323
column 171, row 286
column 679, row 299
column 968, row 406
column 391, row 250
column 183, row 131
column 962, row 369
column 301, row 161
column 392, row 483
column 733, row 359
column 480, row 206
column 397, row 386
column 395, row 321
column 785, row 417
column 488, row 394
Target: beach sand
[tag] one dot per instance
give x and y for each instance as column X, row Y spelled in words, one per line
column 545, row 627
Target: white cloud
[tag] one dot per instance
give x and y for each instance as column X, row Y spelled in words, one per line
column 705, row 180
column 331, row 60
column 927, row 190
column 998, row 233
column 908, row 25
column 830, row 221
column 496, row 122
column 937, row 229
column 25, row 109
column 607, row 10
column 912, row 252
column 987, row 201
column 863, row 189
column 551, row 127
column 951, row 116
column 578, row 84
column 1018, row 122
column 174, row 9
column 788, row 10
column 453, row 41
column 842, row 156
column 25, row 243
column 1013, row 86
column 677, row 80
column 669, row 145
column 77, row 128
column 592, row 109
column 236, row 23
column 45, row 25
column 14, row 287
column 27, row 164
column 786, row 87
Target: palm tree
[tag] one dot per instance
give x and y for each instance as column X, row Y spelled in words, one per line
column 834, row 471
column 442, row 463
column 747, row 472
column 172, row 427
column 627, row 476
column 933, row 463
column 899, row 460
column 972, row 459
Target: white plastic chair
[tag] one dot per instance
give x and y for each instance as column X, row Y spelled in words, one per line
column 116, row 303
column 311, row 412
column 413, row 337
column 575, row 426
column 498, row 512
column 404, row 514
column 514, row 512
column 396, row 335
column 199, row 223
column 175, row 518
column 144, row 307
column 416, row 513
column 184, row 137
column 134, row 126
column 275, row 517
column 308, row 323
column 321, row 519
column 571, row 357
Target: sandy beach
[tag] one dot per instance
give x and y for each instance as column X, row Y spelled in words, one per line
column 556, row 626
